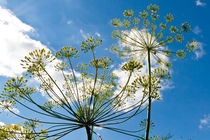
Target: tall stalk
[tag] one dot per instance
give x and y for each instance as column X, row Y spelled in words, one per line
column 144, row 34
column 89, row 133
column 149, row 101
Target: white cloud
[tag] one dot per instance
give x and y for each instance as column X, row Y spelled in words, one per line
column 99, row 35
column 199, row 3
column 141, row 36
column 123, row 77
column 58, row 78
column 69, row 22
column 140, row 56
column 98, row 128
column 15, row 43
column 83, row 34
column 200, row 52
column 87, row 35
column 112, row 66
column 197, row 30
column 11, row 127
column 205, row 122
column 1, row 124
column 13, row 109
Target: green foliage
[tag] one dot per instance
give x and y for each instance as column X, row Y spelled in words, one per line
column 36, row 60
column 147, row 33
column 90, row 44
column 131, row 66
column 186, row 27
column 115, row 22
column 152, row 38
column 143, row 124
column 157, row 76
column 153, row 8
column 86, row 96
column 143, row 14
column 24, row 131
column 161, row 138
column 192, row 46
column 128, row 13
column 169, row 17
column 67, row 53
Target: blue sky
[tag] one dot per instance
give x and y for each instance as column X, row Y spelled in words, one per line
column 184, row 110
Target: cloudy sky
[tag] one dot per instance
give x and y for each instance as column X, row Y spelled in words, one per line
column 184, row 110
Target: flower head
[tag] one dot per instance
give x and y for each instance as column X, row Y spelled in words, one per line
column 128, row 13
column 148, row 37
column 115, row 22
column 144, row 14
column 169, row 17
column 186, row 27
column 153, row 8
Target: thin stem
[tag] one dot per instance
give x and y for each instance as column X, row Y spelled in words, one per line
column 149, row 99
column 89, row 134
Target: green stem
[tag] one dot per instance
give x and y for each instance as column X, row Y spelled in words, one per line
column 89, row 133
column 150, row 100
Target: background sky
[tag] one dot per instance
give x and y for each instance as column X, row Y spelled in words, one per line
column 184, row 110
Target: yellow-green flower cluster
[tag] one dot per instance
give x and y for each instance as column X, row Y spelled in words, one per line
column 131, row 66
column 90, row 44
column 128, row 13
column 153, row 8
column 186, row 27
column 169, row 17
column 115, row 22
column 144, row 14
column 67, row 52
